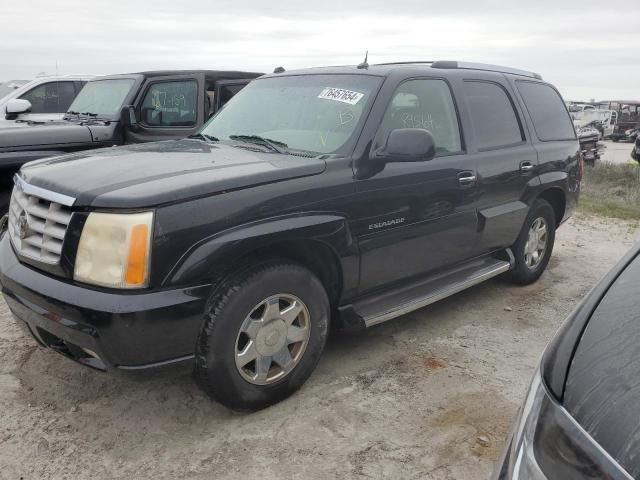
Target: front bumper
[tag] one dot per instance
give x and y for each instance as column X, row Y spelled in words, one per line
column 99, row 328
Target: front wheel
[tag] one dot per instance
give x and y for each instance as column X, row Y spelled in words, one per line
column 263, row 334
column 534, row 245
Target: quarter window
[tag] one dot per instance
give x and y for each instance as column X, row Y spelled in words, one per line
column 171, row 104
column 550, row 118
column 495, row 121
column 52, row 97
column 428, row 104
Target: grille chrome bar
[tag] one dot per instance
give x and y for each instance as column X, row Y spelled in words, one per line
column 43, row 192
column 38, row 224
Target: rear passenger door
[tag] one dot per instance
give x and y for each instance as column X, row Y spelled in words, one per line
column 50, row 101
column 504, row 157
column 168, row 107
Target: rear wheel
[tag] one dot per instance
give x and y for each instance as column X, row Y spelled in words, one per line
column 263, row 334
column 534, row 245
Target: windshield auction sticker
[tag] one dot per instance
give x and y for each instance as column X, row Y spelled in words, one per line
column 341, row 95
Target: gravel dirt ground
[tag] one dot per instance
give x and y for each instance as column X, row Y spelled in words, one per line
column 430, row 395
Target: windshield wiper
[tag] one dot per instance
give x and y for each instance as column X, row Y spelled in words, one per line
column 204, row 136
column 71, row 112
column 275, row 145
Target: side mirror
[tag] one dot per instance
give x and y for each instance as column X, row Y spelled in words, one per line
column 128, row 117
column 408, row 145
column 16, row 106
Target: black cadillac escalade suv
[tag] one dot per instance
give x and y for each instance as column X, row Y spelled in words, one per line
column 348, row 193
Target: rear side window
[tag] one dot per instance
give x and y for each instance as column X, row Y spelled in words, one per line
column 495, row 121
column 548, row 112
column 52, row 97
column 171, row 104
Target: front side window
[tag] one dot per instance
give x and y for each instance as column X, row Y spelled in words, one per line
column 102, row 97
column 494, row 119
column 52, row 97
column 548, row 113
column 426, row 104
column 313, row 113
column 171, row 104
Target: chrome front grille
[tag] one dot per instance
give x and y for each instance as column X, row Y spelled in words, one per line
column 37, row 226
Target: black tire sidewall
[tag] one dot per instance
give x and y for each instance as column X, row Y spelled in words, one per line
column 521, row 273
column 224, row 381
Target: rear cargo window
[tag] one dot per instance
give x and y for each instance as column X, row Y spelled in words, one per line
column 495, row 122
column 548, row 112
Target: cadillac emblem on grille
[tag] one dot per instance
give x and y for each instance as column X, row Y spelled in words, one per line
column 22, row 225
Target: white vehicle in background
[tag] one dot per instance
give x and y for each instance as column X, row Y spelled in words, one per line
column 41, row 100
column 603, row 120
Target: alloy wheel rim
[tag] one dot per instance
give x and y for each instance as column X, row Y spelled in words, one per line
column 272, row 339
column 536, row 245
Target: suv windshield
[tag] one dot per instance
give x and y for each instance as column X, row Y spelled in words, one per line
column 313, row 113
column 102, row 97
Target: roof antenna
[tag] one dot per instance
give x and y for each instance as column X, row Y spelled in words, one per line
column 278, row 70
column 364, row 65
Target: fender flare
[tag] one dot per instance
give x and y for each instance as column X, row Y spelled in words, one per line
column 205, row 259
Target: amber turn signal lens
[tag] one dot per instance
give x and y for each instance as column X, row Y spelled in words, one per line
column 137, row 260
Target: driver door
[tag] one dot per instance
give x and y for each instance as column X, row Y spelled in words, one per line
column 416, row 218
column 168, row 107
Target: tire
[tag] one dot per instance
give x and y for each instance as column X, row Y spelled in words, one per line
column 523, row 272
column 240, row 302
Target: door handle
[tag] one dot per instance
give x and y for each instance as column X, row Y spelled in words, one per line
column 466, row 178
column 526, row 167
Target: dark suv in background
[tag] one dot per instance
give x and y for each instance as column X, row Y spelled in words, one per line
column 355, row 194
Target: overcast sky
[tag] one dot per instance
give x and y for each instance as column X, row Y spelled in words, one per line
column 588, row 49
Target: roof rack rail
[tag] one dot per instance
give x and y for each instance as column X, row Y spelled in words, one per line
column 484, row 66
column 410, row 62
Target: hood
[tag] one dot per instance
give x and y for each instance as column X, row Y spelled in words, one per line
column 150, row 174
column 49, row 134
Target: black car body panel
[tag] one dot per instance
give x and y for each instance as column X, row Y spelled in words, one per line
column 602, row 389
column 361, row 224
column 584, row 425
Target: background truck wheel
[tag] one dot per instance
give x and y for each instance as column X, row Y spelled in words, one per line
column 263, row 334
column 534, row 245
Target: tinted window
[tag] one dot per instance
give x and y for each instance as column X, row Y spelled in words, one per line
column 548, row 113
column 53, row 97
column 425, row 104
column 171, row 104
column 494, row 119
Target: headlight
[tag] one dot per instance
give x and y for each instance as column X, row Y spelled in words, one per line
column 547, row 444
column 114, row 250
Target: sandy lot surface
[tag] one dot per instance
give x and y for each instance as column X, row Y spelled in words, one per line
column 429, row 395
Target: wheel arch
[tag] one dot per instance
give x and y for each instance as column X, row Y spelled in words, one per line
column 322, row 243
column 557, row 198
